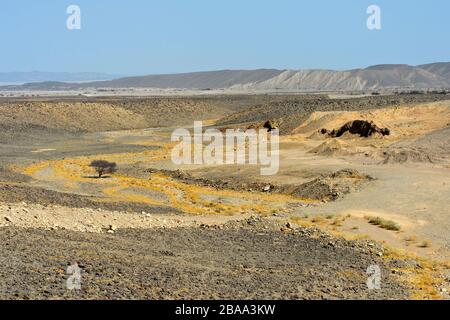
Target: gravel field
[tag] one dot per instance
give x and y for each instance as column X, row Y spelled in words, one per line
column 239, row 260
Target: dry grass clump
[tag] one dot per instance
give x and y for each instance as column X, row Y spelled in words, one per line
column 317, row 219
column 425, row 244
column 384, row 223
column 411, row 238
column 337, row 222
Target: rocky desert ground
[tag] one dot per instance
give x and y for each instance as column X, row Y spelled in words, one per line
column 156, row 230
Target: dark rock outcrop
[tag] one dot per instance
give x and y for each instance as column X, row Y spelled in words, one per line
column 362, row 127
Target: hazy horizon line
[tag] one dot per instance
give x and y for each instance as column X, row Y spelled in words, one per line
column 116, row 74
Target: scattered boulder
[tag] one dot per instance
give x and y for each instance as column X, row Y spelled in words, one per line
column 270, row 125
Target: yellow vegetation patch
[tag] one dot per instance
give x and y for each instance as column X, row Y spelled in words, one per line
column 182, row 196
column 423, row 281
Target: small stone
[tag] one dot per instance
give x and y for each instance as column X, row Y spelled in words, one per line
column 267, row 188
column 8, row 219
column 110, row 231
column 26, row 210
column 112, row 227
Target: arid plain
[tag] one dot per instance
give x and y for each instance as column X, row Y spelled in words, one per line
column 156, row 230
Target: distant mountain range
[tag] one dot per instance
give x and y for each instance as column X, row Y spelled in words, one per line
column 388, row 76
column 39, row 76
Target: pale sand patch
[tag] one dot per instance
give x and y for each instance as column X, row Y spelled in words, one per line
column 42, row 150
column 98, row 220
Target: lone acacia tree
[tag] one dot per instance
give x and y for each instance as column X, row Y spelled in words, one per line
column 103, row 166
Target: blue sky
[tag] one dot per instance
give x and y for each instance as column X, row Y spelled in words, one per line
column 168, row 36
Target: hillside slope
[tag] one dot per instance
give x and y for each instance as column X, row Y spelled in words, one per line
column 387, row 76
column 288, row 114
column 371, row 78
